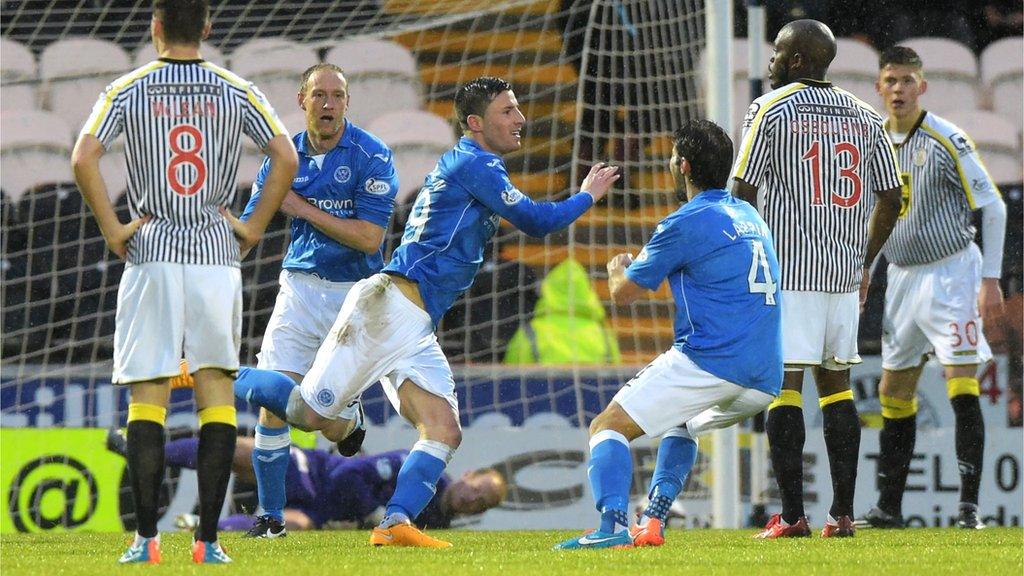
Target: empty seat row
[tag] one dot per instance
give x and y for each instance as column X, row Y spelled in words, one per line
column 74, row 71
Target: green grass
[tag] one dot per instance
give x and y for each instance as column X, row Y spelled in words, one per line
column 692, row 552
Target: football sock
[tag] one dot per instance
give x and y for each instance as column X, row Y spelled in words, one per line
column 183, row 453
column 217, row 435
column 786, row 434
column 264, row 388
column 417, row 479
column 145, row 447
column 270, row 465
column 895, row 450
column 842, row 442
column 676, row 455
column 970, row 435
column 610, row 472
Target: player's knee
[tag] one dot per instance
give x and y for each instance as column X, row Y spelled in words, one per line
column 448, row 434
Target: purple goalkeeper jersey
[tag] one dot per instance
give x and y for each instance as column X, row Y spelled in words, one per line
column 332, row 488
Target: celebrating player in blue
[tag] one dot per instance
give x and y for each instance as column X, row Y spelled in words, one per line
column 340, row 202
column 726, row 364
column 386, row 325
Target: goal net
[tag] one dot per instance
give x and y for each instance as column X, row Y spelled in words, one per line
column 602, row 80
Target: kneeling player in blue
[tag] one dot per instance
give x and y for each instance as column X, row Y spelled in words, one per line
column 726, row 364
column 385, row 329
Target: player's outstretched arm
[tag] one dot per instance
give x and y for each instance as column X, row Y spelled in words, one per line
column 85, row 162
column 541, row 218
column 283, row 164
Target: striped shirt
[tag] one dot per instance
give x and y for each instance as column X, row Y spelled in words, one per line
column 183, row 122
column 814, row 151
column 944, row 180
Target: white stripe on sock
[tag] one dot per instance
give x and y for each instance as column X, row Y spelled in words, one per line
column 438, row 450
column 273, row 442
column 607, row 435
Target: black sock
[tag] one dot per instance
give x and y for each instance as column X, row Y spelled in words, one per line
column 970, row 444
column 842, row 441
column 216, row 451
column 146, row 471
column 895, row 449
column 785, row 428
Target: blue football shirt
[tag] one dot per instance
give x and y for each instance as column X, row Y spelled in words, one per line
column 355, row 179
column 718, row 256
column 456, row 213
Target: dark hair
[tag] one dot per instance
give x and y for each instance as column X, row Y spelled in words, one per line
column 708, row 149
column 900, row 56
column 183, row 20
column 475, row 96
column 316, row 68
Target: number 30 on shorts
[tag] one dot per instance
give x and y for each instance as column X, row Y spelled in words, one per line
column 968, row 331
column 760, row 261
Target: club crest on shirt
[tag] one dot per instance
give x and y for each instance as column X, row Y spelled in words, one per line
column 748, row 120
column 920, row 157
column 325, row 397
column 511, row 196
column 378, row 187
column 384, row 469
column 342, row 174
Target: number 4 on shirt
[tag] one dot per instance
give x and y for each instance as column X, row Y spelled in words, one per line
column 760, row 261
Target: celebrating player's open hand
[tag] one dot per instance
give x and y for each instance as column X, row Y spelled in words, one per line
column 117, row 240
column 600, row 180
column 246, row 234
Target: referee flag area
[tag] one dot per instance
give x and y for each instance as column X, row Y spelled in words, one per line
column 528, row 553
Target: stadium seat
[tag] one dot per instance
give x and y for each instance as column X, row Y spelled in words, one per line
column 417, row 139
column 276, row 67
column 35, row 148
column 382, row 77
column 18, row 77
column 952, row 73
column 1003, row 75
column 75, row 71
column 146, row 53
column 997, row 140
column 855, row 69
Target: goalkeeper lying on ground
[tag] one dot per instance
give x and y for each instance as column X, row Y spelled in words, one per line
column 325, row 489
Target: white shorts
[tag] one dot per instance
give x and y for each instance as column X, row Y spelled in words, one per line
column 304, row 312
column 167, row 310
column 934, row 307
column 378, row 333
column 820, row 329
column 672, row 391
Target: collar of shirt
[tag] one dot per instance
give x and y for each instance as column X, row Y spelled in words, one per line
column 815, row 83
column 303, row 141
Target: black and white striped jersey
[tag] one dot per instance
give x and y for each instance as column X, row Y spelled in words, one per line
column 183, row 122
column 944, row 180
column 816, row 153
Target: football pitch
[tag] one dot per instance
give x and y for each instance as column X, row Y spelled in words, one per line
column 511, row 553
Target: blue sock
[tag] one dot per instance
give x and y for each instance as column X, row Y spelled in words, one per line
column 264, row 388
column 270, row 464
column 611, row 473
column 417, row 479
column 676, row 456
